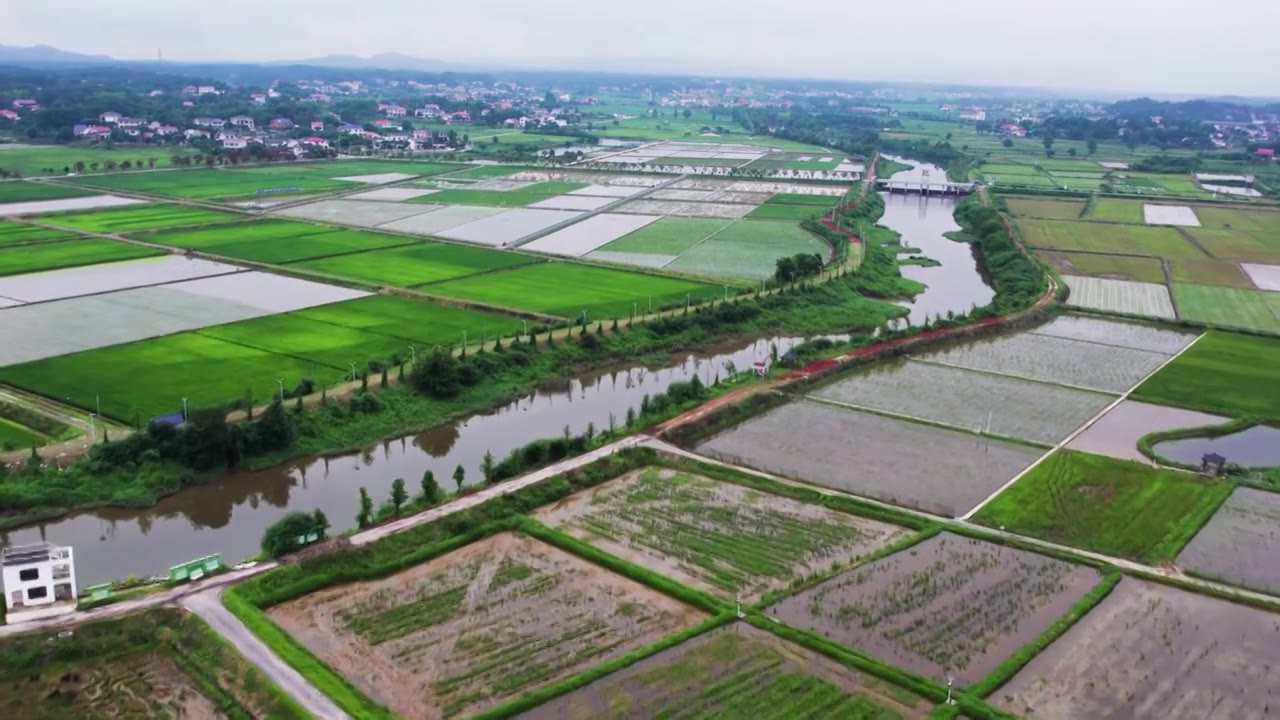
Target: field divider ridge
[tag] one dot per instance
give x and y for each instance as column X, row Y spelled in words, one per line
column 1078, row 431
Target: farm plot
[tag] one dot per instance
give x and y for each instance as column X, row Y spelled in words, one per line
column 509, row 227
column 1182, row 215
column 1209, row 272
column 566, row 290
column 38, row 207
column 411, row 321
column 108, row 277
column 668, row 237
column 941, row 471
column 312, row 341
column 1120, row 296
column 462, row 633
column 16, row 260
column 519, row 195
column 1264, row 277
column 1159, row 242
column 43, row 330
column 1115, row 210
column 1238, row 245
column 581, row 238
column 1239, row 542
column 1117, row 507
column 440, row 219
column 414, row 265
column 735, row 672
column 215, row 183
column 1120, row 334
column 18, row 191
column 395, row 194
column 970, row 400
column 1027, row 207
column 12, row 233
column 749, row 249
column 131, row 219
column 1239, row 218
column 1228, row 307
column 1223, row 373
column 1116, row 267
column 788, row 211
column 611, row 191
column 1054, row 360
column 949, row 606
column 285, row 246
column 1117, row 433
column 715, row 535
column 1152, row 651
column 157, row 664
column 686, row 209
column 573, row 202
column 362, row 213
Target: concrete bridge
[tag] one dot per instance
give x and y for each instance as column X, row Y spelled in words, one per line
column 924, row 187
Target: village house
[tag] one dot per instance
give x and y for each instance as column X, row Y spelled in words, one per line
column 188, row 103
column 155, row 93
column 91, row 132
column 9, row 115
column 130, row 122
column 1266, row 153
column 422, row 136
column 258, row 98
column 110, row 118
column 395, row 111
column 350, row 129
column 384, row 124
column 242, row 121
column 209, row 122
column 280, row 124
column 427, row 111
column 39, row 581
column 26, row 104
column 315, row 142
column 317, row 125
column 462, row 117
column 195, row 134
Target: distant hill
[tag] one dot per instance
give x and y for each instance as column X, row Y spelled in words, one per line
column 392, row 61
column 43, row 54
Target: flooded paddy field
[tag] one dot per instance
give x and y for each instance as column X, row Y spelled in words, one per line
column 1239, row 543
column 1117, row 433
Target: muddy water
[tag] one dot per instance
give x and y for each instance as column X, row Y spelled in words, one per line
column 957, row 285
column 229, row 515
column 1259, row 446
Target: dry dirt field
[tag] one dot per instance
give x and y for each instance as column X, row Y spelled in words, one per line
column 735, row 672
column 134, row 686
column 1154, row 652
column 948, row 606
column 715, row 535
column 481, row 625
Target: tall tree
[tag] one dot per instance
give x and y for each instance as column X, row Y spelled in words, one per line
column 365, row 517
column 431, row 492
column 398, row 495
column 459, row 476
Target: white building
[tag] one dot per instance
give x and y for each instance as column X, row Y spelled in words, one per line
column 39, row 581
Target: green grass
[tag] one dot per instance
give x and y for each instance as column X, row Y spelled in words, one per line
column 412, row 321
column 312, row 341
column 1224, row 373
column 1124, row 211
column 1029, row 207
column 132, row 218
column 1240, row 219
column 13, row 232
column 668, row 236
column 1159, row 242
column 749, row 249
column 1209, row 272
column 17, row 437
column 778, row 211
column 32, row 160
column 1116, row 507
column 67, row 253
column 150, row 377
column 415, row 264
column 347, row 168
column 825, row 201
column 1228, row 307
column 215, row 183
column 501, row 198
column 1123, row 267
column 15, row 191
column 276, row 241
column 566, row 289
column 1259, row 246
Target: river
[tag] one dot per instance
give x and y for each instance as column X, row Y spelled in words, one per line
column 957, row 284
column 228, row 516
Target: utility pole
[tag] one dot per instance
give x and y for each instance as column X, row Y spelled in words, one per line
column 280, row 382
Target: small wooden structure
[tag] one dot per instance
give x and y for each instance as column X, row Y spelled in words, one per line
column 1213, row 464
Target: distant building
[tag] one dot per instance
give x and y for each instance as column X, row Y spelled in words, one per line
column 351, row 129
column 1268, row 153
column 258, row 98
column 315, row 142
column 317, row 125
column 26, row 104
column 9, row 115
column 193, row 134
column 242, row 121
column 39, row 581
column 280, row 124
column 209, row 122
column 395, row 111
column 110, row 118
column 427, row 111
column 130, row 122
column 383, row 124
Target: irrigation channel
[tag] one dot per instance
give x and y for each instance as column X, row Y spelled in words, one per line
column 958, row 283
column 229, row 515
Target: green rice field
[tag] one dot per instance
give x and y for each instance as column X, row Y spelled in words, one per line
column 350, row 168
column 776, row 210
column 411, row 321
column 565, row 290
column 67, row 253
column 1028, row 207
column 312, row 341
column 276, row 241
column 15, row 191
column 32, row 160
column 501, row 198
column 1228, row 307
column 216, row 183
column 1224, row 373
column 1159, row 242
column 140, row 380
column 1239, row 219
column 1208, row 272
column 1110, row 506
column 1115, row 210
column 131, row 218
column 415, row 264
column 749, row 249
column 1258, row 246
column 668, row 236
column 1120, row 267
column 13, row 232
column 17, row 437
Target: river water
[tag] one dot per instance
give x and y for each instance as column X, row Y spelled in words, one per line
column 229, row 515
column 957, row 284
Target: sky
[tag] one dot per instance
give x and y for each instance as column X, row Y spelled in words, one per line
column 1138, row 46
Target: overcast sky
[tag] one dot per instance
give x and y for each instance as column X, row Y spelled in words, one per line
column 1154, row 46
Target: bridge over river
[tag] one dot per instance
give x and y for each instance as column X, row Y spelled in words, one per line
column 924, row 186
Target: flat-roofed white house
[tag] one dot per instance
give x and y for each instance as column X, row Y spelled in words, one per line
column 39, row 581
